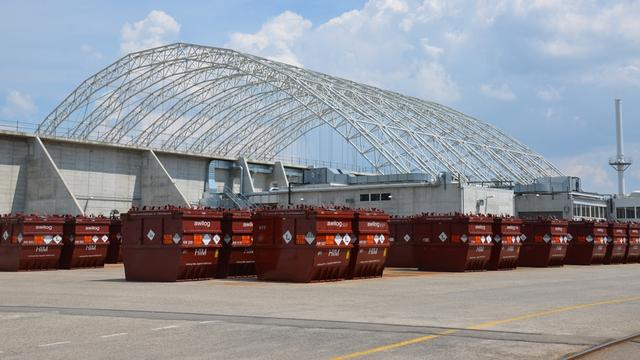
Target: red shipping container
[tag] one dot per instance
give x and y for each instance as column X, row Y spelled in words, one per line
column 302, row 244
column 587, row 242
column 236, row 255
column 85, row 242
column 506, row 243
column 401, row 243
column 617, row 243
column 30, row 242
column 633, row 248
column 544, row 242
column 114, row 251
column 452, row 242
column 171, row 244
column 371, row 230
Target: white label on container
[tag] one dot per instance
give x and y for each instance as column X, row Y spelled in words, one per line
column 216, row 238
column 309, row 238
column 20, row 237
column 5, row 235
column 442, row 237
column 95, row 238
column 346, row 239
column 151, row 235
column 227, row 238
column 176, row 238
column 338, row 239
column 105, row 238
column 48, row 239
column 407, row 237
column 57, row 239
column 206, row 239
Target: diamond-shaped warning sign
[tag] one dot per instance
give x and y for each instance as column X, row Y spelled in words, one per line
column 227, row 238
column 442, row 237
column 118, row 236
column 216, row 238
column 151, row 235
column 376, row 238
column 95, row 239
column 57, row 239
column 48, row 239
column 287, row 237
column 337, row 239
column 346, row 239
column 206, row 239
column 407, row 237
column 5, row 235
column 309, row 238
column 546, row 238
column 523, row 237
column 105, row 238
column 19, row 238
column 176, row 238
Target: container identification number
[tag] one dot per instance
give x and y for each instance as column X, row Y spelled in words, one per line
column 334, row 252
column 373, row 251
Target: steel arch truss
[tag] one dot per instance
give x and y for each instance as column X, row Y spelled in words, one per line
column 219, row 102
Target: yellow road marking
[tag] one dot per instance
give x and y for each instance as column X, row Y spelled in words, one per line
column 484, row 326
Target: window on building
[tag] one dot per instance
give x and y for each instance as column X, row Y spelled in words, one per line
column 576, row 210
column 385, row 197
column 364, row 197
column 638, row 212
column 375, row 197
column 631, row 213
column 620, row 213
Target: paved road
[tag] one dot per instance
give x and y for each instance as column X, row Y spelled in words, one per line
column 527, row 313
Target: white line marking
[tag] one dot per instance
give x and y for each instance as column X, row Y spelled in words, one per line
column 112, row 335
column 165, row 327
column 55, row 343
column 209, row 321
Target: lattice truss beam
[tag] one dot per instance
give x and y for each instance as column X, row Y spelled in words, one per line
column 220, row 102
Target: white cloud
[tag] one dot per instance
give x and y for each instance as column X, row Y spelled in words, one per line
column 157, row 29
column 435, row 84
column 500, row 92
column 275, row 38
column 431, row 50
column 91, row 52
column 18, row 104
column 614, row 74
column 549, row 93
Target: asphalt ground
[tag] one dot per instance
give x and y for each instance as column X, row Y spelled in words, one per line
column 525, row 313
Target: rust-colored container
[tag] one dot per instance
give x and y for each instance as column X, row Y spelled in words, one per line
column 587, row 242
column 401, row 243
column 633, row 248
column 371, row 230
column 171, row 244
column 85, row 242
column 114, row 251
column 452, row 242
column 544, row 242
column 506, row 243
column 617, row 243
column 236, row 255
column 30, row 242
column 302, row 244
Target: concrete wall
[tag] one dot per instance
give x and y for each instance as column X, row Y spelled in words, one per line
column 13, row 172
column 189, row 174
column 102, row 178
column 496, row 201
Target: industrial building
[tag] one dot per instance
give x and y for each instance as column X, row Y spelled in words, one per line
column 191, row 125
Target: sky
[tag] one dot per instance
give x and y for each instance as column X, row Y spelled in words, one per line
column 545, row 71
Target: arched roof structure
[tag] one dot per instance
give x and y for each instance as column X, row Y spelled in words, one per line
column 220, row 102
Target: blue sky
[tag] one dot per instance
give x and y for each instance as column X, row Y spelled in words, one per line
column 545, row 71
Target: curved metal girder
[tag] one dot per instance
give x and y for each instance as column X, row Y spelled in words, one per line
column 218, row 101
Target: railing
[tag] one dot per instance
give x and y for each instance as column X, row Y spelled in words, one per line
column 238, row 200
column 18, row 126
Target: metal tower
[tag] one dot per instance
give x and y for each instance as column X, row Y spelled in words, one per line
column 619, row 163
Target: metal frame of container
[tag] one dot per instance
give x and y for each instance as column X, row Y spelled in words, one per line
column 371, row 245
column 506, row 243
column 30, row 242
column 587, row 242
column 302, row 244
column 452, row 242
column 171, row 244
column 544, row 243
column 401, row 243
column 236, row 255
